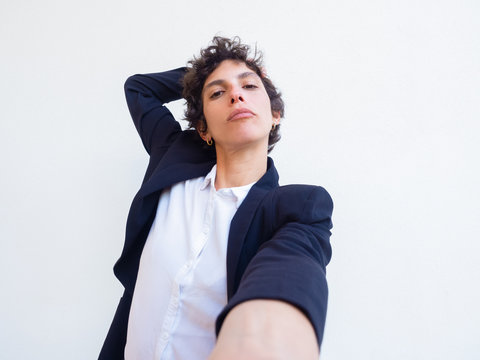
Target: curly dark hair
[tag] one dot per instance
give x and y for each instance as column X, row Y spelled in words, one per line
column 199, row 68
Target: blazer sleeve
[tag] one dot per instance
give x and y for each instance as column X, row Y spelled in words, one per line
column 146, row 95
column 290, row 266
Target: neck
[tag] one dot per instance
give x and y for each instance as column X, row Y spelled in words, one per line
column 241, row 167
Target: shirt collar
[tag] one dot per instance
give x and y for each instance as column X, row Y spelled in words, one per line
column 239, row 193
column 210, row 178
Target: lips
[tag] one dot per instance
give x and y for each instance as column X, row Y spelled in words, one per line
column 240, row 114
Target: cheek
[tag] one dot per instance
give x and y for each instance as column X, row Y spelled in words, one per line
column 267, row 108
column 265, row 101
column 207, row 110
column 211, row 114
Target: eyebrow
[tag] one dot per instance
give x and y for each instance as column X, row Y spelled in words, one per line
column 222, row 81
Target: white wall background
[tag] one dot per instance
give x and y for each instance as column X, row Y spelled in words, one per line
column 383, row 105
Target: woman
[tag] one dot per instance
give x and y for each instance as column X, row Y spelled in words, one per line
column 213, row 244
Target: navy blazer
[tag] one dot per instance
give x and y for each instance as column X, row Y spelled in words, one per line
column 278, row 244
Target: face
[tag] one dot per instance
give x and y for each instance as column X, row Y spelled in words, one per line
column 236, row 107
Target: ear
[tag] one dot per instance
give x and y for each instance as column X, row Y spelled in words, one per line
column 203, row 135
column 276, row 117
column 202, row 130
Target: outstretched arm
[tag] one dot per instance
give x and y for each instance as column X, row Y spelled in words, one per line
column 266, row 329
column 280, row 306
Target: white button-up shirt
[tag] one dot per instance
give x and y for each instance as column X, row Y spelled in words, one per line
column 181, row 283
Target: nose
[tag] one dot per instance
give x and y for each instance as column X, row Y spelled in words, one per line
column 236, row 96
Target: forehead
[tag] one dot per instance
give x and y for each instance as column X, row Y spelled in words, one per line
column 229, row 69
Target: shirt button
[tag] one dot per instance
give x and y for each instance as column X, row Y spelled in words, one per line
column 165, row 336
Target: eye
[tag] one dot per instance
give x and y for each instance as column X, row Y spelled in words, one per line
column 250, row 86
column 216, row 94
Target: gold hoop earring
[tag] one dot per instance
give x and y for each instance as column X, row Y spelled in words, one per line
column 209, row 142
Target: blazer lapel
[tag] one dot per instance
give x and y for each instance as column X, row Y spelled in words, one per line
column 243, row 218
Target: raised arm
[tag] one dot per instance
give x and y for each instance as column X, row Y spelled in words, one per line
column 280, row 306
column 146, row 94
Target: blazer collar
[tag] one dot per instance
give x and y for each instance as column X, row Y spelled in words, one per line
column 185, row 159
